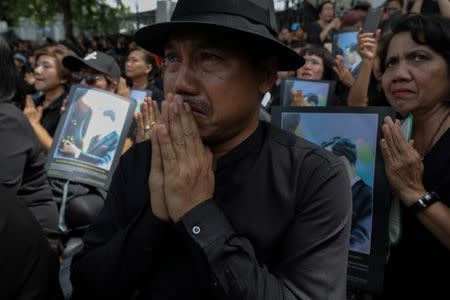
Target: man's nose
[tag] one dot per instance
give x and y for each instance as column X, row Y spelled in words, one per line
column 185, row 81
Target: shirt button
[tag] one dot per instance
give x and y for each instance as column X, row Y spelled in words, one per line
column 196, row 230
column 215, row 284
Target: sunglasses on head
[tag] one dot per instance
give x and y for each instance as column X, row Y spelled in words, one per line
column 90, row 79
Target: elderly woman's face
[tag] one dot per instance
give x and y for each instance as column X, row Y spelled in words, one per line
column 313, row 68
column 416, row 77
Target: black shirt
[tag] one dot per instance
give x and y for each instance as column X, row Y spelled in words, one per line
column 314, row 34
column 52, row 113
column 277, row 228
column 22, row 168
column 419, row 267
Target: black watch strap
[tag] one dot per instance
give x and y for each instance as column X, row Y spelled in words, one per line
column 424, row 202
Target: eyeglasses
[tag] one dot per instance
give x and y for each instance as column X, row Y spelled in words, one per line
column 90, row 79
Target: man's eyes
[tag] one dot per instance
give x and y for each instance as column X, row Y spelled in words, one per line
column 207, row 56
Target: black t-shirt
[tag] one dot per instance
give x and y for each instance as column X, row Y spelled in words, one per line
column 52, row 113
column 419, row 266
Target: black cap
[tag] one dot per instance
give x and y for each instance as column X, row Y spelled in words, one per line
column 97, row 60
column 254, row 19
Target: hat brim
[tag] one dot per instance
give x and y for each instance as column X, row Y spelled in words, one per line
column 153, row 38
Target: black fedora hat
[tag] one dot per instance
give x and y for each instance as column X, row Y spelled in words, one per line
column 255, row 19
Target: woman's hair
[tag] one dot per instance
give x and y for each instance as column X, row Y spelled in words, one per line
column 149, row 59
column 432, row 31
column 320, row 7
column 58, row 52
column 9, row 82
column 325, row 55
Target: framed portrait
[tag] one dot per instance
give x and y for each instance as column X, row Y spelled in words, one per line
column 90, row 136
column 353, row 134
column 139, row 96
column 346, row 44
column 314, row 92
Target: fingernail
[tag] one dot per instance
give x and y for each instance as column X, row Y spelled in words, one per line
column 179, row 100
column 175, row 108
column 163, row 130
column 187, row 107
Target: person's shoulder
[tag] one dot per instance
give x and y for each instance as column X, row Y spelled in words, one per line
column 11, row 117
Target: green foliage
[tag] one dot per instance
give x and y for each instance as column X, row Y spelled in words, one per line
column 94, row 16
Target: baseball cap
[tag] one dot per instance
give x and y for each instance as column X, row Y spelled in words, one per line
column 97, row 61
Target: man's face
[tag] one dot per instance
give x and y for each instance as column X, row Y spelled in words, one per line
column 219, row 82
column 92, row 78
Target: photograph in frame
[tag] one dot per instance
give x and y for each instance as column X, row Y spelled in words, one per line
column 139, row 96
column 90, row 136
column 314, row 92
column 346, row 44
column 353, row 135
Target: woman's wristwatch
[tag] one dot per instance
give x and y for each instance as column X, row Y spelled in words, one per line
column 424, row 202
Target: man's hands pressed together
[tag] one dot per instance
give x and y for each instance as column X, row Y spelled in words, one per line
column 181, row 174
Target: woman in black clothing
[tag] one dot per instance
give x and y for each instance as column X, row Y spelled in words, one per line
column 141, row 67
column 22, row 160
column 415, row 62
column 52, row 79
column 322, row 31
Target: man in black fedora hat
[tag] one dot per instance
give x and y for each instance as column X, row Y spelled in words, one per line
column 219, row 205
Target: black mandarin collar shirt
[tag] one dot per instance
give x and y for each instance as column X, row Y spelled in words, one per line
column 277, row 228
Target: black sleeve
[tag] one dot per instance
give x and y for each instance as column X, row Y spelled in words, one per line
column 15, row 146
column 312, row 262
column 118, row 249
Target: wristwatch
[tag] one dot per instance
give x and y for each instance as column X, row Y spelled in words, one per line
column 424, row 202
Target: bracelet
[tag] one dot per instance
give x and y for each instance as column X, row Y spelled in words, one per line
column 424, row 202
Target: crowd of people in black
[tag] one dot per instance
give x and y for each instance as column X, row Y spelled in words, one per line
column 265, row 215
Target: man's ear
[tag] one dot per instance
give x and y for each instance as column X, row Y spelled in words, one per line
column 268, row 74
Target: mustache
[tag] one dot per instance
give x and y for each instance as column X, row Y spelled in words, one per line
column 200, row 102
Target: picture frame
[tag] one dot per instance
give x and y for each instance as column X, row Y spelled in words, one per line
column 346, row 44
column 353, row 134
column 139, row 95
column 90, row 136
column 320, row 92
